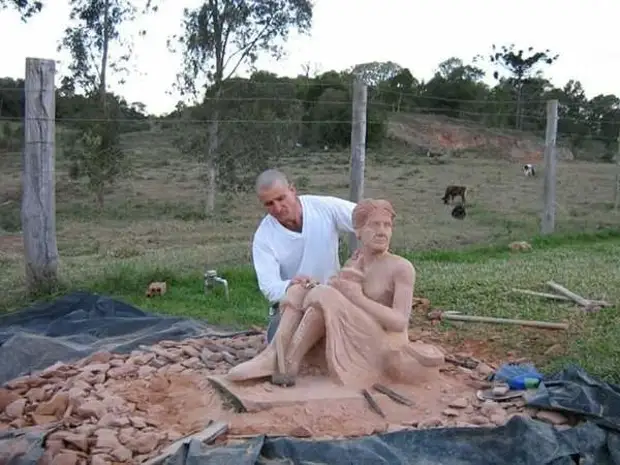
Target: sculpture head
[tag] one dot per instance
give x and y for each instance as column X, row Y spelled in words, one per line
column 279, row 197
column 373, row 222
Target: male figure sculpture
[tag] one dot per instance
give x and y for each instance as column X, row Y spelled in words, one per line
column 360, row 317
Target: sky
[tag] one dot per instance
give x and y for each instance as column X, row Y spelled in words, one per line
column 417, row 35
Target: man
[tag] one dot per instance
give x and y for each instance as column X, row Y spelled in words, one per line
column 297, row 241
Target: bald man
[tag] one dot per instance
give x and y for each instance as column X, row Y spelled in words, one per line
column 297, row 241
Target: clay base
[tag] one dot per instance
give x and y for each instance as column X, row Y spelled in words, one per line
column 253, row 396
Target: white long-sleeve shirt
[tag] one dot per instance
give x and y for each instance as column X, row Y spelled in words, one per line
column 280, row 254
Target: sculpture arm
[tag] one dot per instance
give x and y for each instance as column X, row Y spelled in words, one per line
column 396, row 318
column 267, row 271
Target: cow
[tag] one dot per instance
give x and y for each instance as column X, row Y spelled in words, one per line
column 529, row 170
column 454, row 191
column 459, row 212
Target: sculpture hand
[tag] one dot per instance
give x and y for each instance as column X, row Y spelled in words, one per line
column 351, row 290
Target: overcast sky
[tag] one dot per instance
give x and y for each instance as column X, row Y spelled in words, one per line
column 417, row 35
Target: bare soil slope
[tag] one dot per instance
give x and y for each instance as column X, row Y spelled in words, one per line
column 443, row 135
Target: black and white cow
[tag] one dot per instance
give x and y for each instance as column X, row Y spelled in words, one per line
column 528, row 170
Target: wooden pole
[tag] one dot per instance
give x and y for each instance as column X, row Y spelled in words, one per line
column 358, row 147
column 571, row 295
column 38, row 210
column 505, row 321
column 541, row 294
column 548, row 217
column 617, row 184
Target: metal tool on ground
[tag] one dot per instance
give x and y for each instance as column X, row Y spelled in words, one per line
column 588, row 305
column 457, row 316
column 395, row 396
column 212, row 280
column 372, row 403
column 465, row 362
column 489, row 394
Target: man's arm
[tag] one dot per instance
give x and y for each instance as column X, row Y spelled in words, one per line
column 342, row 213
column 267, row 271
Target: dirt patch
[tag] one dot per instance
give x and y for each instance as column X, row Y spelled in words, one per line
column 442, row 135
column 110, row 408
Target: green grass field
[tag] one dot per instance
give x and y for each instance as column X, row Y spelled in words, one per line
column 153, row 228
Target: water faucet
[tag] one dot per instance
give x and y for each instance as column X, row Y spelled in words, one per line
column 211, row 279
column 224, row 283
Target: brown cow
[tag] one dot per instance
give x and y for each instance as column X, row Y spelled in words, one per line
column 454, row 191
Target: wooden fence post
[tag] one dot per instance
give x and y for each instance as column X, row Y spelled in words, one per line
column 358, row 147
column 548, row 216
column 38, row 209
column 617, row 183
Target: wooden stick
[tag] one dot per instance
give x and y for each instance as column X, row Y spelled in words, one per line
column 541, row 294
column 571, row 295
column 488, row 319
column 373, row 404
column 395, row 396
column 207, row 435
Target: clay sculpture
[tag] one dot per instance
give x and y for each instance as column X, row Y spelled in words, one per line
column 357, row 323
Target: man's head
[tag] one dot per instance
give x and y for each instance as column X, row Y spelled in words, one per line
column 279, row 198
column 373, row 222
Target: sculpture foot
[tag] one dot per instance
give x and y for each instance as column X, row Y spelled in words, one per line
column 261, row 366
column 283, row 379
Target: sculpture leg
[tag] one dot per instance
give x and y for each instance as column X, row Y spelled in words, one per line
column 310, row 331
column 265, row 363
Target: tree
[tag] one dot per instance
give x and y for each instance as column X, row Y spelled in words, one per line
column 95, row 147
column 26, row 8
column 399, row 90
column 602, row 115
column 220, row 36
column 456, row 89
column 257, row 125
column 376, row 72
column 522, row 66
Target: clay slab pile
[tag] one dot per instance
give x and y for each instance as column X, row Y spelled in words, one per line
column 112, row 408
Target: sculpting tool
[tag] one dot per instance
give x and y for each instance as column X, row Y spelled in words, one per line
column 373, row 404
column 395, row 396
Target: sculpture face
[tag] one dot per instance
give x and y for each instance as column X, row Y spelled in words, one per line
column 376, row 234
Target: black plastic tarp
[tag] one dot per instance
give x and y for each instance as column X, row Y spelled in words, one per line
column 79, row 324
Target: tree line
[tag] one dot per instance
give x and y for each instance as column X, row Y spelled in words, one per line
column 251, row 122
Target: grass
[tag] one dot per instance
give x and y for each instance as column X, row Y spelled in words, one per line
column 153, row 228
column 475, row 280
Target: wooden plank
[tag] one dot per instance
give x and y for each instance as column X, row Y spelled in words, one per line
column 571, row 295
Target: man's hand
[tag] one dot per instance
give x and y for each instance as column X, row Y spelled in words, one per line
column 303, row 281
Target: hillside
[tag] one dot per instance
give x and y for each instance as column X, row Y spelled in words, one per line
column 450, row 136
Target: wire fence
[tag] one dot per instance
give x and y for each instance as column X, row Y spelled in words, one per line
column 145, row 196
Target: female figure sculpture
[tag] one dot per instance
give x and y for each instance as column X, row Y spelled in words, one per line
column 361, row 316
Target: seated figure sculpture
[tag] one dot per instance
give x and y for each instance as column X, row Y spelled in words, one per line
column 359, row 319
